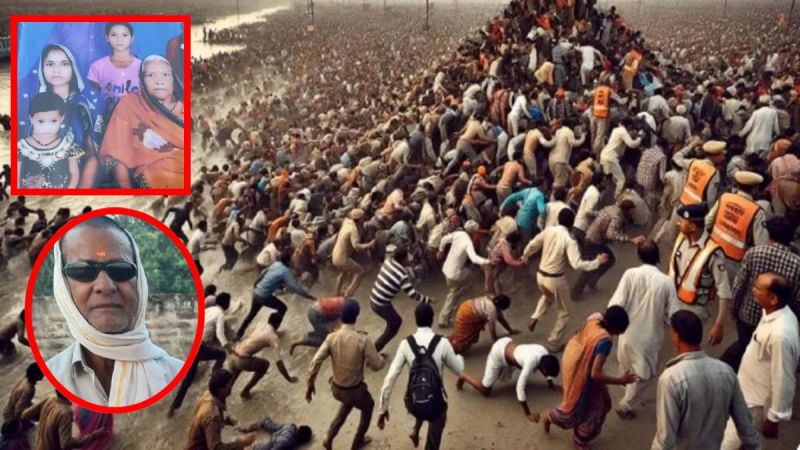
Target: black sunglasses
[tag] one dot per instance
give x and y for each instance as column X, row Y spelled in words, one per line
column 85, row 271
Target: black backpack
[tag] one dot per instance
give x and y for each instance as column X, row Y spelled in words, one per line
column 424, row 394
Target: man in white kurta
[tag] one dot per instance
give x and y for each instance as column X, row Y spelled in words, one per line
column 613, row 152
column 768, row 370
column 762, row 127
column 649, row 297
column 455, row 268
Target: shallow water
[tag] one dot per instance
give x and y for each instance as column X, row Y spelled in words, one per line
column 202, row 49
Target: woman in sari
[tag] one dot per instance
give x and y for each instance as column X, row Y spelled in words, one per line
column 58, row 73
column 473, row 316
column 586, row 401
column 144, row 139
column 89, row 421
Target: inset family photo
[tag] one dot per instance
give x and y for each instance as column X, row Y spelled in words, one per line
column 100, row 106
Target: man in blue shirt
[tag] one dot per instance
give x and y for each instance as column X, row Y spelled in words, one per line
column 533, row 205
column 277, row 275
column 282, row 436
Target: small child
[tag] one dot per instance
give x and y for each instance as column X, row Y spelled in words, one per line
column 47, row 160
column 118, row 74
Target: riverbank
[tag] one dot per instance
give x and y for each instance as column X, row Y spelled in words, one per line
column 200, row 10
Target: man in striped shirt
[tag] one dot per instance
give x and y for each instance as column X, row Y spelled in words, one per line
column 392, row 277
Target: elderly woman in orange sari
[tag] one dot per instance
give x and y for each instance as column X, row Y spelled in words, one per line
column 144, row 139
column 586, row 401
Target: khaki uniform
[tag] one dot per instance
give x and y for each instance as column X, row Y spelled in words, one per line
column 19, row 399
column 349, row 350
column 206, row 429
column 347, row 242
column 55, row 424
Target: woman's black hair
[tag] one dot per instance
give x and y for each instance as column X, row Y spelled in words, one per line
column 73, row 82
column 211, row 289
column 615, row 320
column 111, row 25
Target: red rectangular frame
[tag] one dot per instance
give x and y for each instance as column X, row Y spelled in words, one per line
column 187, row 129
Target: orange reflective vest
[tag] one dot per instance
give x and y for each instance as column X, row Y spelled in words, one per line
column 688, row 282
column 602, row 98
column 735, row 217
column 700, row 174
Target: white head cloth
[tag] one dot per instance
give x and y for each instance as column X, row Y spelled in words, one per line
column 136, row 376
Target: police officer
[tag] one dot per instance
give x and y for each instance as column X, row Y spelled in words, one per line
column 349, row 350
column 697, row 267
column 704, row 175
column 737, row 222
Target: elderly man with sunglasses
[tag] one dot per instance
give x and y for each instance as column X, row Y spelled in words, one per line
column 101, row 290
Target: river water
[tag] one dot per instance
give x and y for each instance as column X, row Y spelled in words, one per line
column 205, row 50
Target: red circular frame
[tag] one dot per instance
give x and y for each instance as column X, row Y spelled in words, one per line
column 198, row 336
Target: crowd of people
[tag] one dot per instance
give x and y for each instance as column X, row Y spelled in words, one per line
column 225, row 35
column 554, row 130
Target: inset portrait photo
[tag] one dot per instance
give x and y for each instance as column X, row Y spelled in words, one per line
column 100, row 106
column 112, row 304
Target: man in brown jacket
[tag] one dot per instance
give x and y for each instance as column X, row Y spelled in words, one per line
column 54, row 415
column 205, row 433
column 349, row 349
column 21, row 396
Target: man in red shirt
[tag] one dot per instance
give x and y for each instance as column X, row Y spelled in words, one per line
column 323, row 315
